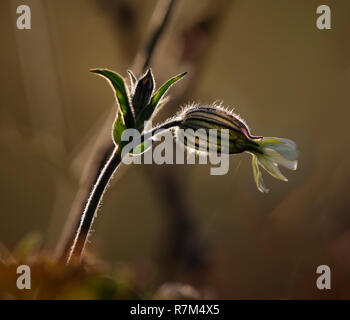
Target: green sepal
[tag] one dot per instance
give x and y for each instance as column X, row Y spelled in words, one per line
column 118, row 128
column 121, row 94
column 133, row 79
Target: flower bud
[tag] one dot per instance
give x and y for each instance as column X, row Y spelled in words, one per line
column 218, row 118
column 143, row 92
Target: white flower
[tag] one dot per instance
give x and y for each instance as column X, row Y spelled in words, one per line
column 274, row 152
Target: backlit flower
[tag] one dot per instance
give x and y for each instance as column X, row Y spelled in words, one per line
column 267, row 153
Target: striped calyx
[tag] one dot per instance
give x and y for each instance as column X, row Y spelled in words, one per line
column 206, row 121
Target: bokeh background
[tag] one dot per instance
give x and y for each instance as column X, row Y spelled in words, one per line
column 177, row 223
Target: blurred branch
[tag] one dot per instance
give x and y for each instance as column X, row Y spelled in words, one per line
column 159, row 21
column 185, row 248
column 35, row 51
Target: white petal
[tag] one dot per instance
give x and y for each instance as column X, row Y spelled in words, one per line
column 271, row 167
column 287, row 148
column 276, row 157
column 274, row 140
column 257, row 176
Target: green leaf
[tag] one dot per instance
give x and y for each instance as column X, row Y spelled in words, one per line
column 133, row 79
column 148, row 111
column 118, row 127
column 164, row 88
column 142, row 147
column 121, row 94
column 28, row 246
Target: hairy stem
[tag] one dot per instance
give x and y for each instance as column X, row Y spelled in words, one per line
column 94, row 200
column 159, row 22
column 89, row 213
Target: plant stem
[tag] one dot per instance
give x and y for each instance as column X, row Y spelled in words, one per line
column 158, row 24
column 92, row 204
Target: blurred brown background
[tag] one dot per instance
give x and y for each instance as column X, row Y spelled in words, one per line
column 266, row 58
